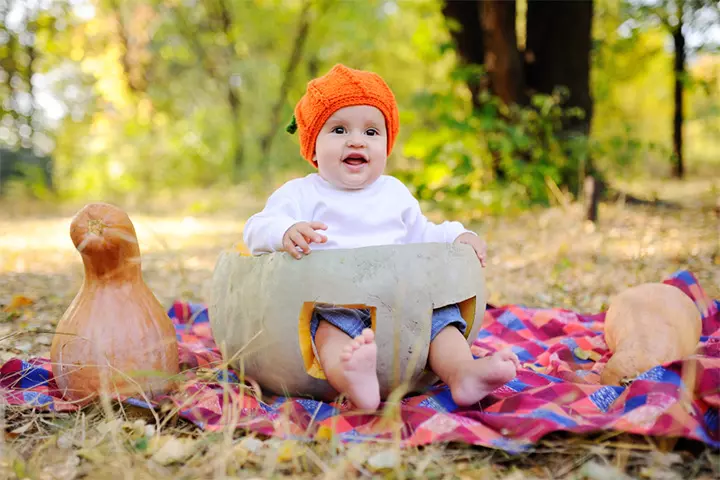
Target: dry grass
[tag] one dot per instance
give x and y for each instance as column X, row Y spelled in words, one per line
column 541, row 258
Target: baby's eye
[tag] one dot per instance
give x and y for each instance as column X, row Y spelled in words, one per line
column 372, row 132
column 338, row 130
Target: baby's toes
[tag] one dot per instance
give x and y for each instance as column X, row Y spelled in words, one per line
column 359, row 341
column 507, row 354
column 368, row 335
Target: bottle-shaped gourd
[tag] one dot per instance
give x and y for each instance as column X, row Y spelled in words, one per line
column 115, row 337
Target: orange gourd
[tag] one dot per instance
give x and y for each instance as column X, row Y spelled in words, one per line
column 115, row 336
column 648, row 325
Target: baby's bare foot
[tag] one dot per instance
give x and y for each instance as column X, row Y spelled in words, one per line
column 476, row 379
column 359, row 360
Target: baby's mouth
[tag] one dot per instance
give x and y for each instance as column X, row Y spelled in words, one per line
column 355, row 159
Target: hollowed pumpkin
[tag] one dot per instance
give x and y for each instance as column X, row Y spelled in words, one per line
column 261, row 308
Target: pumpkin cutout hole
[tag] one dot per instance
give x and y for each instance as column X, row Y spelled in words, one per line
column 308, row 351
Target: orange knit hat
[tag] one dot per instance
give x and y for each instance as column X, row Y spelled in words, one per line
column 341, row 87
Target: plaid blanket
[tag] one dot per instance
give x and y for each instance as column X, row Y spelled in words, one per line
column 562, row 353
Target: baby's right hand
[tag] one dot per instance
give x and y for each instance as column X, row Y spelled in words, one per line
column 301, row 235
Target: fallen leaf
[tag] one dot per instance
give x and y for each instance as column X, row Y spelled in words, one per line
column 534, row 367
column 17, row 302
column 324, row 433
column 24, row 428
column 596, row 471
column 241, row 248
column 19, row 468
column 92, row 454
column 384, row 460
column 110, row 426
column 659, row 473
column 65, row 441
column 586, row 354
column 289, row 450
column 251, row 444
column 172, row 449
column 666, row 459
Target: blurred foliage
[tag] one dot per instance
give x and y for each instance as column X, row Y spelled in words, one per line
column 451, row 156
column 632, row 78
column 144, row 97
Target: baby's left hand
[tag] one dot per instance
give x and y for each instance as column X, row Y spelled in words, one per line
column 476, row 243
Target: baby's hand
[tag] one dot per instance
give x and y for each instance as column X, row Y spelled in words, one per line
column 301, row 235
column 476, row 243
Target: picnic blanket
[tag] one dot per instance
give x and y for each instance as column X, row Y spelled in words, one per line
column 556, row 390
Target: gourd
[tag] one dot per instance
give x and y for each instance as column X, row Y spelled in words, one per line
column 114, row 336
column 648, row 325
column 260, row 309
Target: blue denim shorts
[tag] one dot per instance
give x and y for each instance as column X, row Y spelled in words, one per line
column 353, row 320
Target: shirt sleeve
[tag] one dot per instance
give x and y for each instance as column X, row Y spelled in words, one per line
column 422, row 230
column 264, row 231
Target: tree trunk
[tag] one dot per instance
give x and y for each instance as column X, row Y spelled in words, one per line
column 237, row 141
column 559, row 40
column 485, row 35
column 559, row 43
column 679, row 73
column 592, row 191
column 502, row 58
column 468, row 38
column 298, row 46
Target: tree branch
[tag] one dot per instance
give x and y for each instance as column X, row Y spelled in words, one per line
column 295, row 56
column 124, row 41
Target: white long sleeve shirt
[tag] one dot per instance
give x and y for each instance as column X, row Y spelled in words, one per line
column 384, row 213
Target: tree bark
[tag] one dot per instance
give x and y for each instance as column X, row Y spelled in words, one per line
column 558, row 51
column 32, row 58
column 559, row 41
column 486, row 36
column 592, row 191
column 298, row 46
column 468, row 39
column 502, row 58
column 679, row 74
column 134, row 75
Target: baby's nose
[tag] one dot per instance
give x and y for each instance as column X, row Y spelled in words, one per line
column 355, row 140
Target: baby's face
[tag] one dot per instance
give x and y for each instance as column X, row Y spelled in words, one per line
column 351, row 148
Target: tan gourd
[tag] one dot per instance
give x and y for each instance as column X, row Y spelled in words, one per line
column 261, row 308
column 648, row 325
column 115, row 336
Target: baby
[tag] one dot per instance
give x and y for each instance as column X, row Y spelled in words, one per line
column 348, row 122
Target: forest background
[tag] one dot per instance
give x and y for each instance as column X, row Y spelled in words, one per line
column 503, row 104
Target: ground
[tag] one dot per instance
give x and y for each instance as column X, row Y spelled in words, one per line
column 546, row 257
